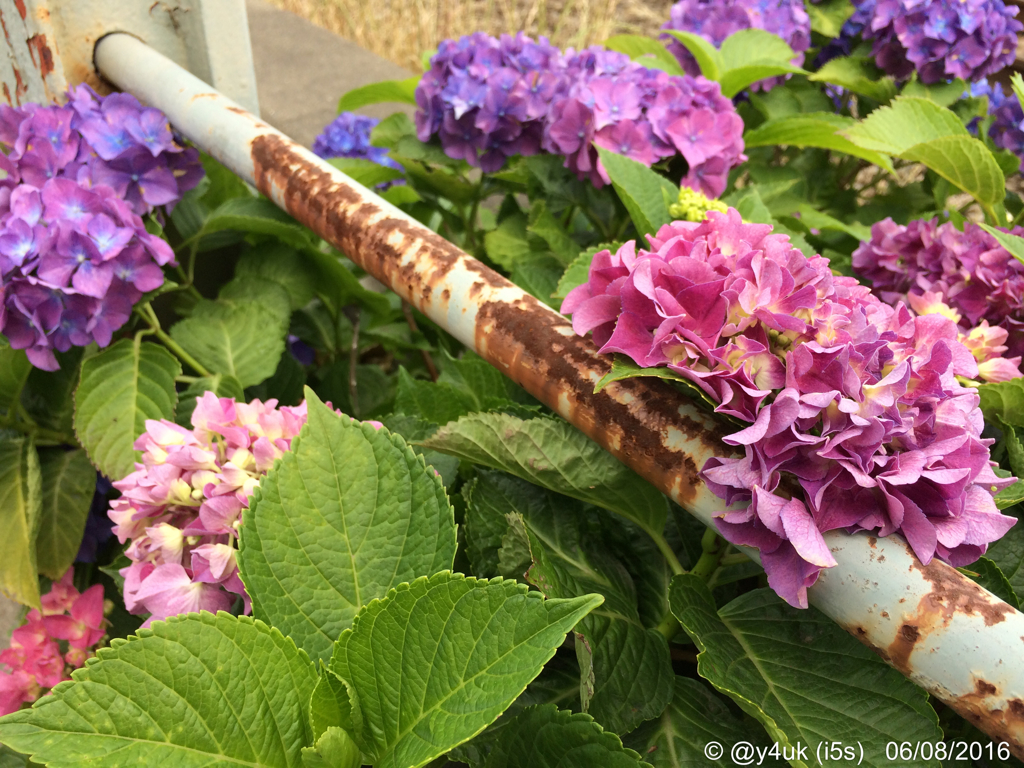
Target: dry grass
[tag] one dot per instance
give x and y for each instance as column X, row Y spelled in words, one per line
column 400, row 30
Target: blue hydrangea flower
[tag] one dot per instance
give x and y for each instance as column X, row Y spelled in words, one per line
column 348, row 135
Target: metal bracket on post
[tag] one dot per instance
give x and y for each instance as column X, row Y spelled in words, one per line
column 51, row 42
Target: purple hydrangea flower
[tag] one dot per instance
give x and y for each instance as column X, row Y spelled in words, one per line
column 74, row 252
column 969, row 270
column 715, row 20
column 348, row 135
column 857, row 419
column 487, row 98
column 939, row 39
column 1007, row 129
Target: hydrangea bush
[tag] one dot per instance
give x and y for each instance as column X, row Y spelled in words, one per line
column 261, row 511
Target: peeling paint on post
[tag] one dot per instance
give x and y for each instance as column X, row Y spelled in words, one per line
column 33, row 70
column 949, row 635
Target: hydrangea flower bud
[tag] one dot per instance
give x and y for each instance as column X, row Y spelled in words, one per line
column 693, row 206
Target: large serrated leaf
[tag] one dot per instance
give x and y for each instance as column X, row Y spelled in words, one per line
column 554, row 455
column 644, row 192
column 120, row 388
column 908, row 121
column 14, row 371
column 436, row 661
column 800, row 675
column 695, row 718
column 276, row 262
column 631, row 666
column 68, row 484
column 858, row 74
column 816, row 129
column 348, row 513
column 828, row 17
column 965, row 162
column 243, row 339
column 20, row 507
column 548, row 737
column 1003, row 400
column 437, row 402
column 566, row 553
column 157, row 699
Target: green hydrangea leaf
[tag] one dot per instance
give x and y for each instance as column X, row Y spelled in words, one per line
column 1003, row 401
column 1012, row 243
column 398, row 91
column 243, row 339
column 908, row 121
column 334, row 749
column 438, row 660
column 1008, row 555
column 275, row 262
column 437, row 402
column 986, row 573
column 194, row 691
column 121, row 387
column 554, row 455
column 805, row 679
column 348, row 513
column 858, row 74
column 20, row 515
column 708, row 58
column 507, row 243
column 68, row 483
column 965, row 162
column 548, row 737
column 816, row 129
column 646, row 51
column 645, row 193
column 695, row 718
column 828, row 17
column 14, row 371
column 568, row 555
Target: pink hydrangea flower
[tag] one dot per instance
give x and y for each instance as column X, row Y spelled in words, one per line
column 181, row 508
column 857, row 418
column 34, row 661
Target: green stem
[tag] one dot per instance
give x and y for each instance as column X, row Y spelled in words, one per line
column 666, row 552
column 154, row 326
column 669, row 626
column 712, row 551
column 990, row 214
column 39, row 433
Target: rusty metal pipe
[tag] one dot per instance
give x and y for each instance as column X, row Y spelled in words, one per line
column 936, row 626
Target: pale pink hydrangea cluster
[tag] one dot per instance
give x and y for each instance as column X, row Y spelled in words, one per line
column 857, row 419
column 52, row 642
column 182, row 506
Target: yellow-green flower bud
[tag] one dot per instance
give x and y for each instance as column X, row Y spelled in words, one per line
column 693, row 206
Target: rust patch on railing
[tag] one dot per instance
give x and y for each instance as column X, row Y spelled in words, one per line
column 41, row 54
column 20, row 5
column 637, row 421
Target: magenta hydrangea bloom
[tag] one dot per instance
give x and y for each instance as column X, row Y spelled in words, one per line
column 969, row 270
column 715, row 20
column 74, row 252
column 857, row 420
column 35, row 662
column 646, row 115
column 939, row 39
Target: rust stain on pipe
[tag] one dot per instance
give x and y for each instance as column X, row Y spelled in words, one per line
column 41, row 54
column 533, row 345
